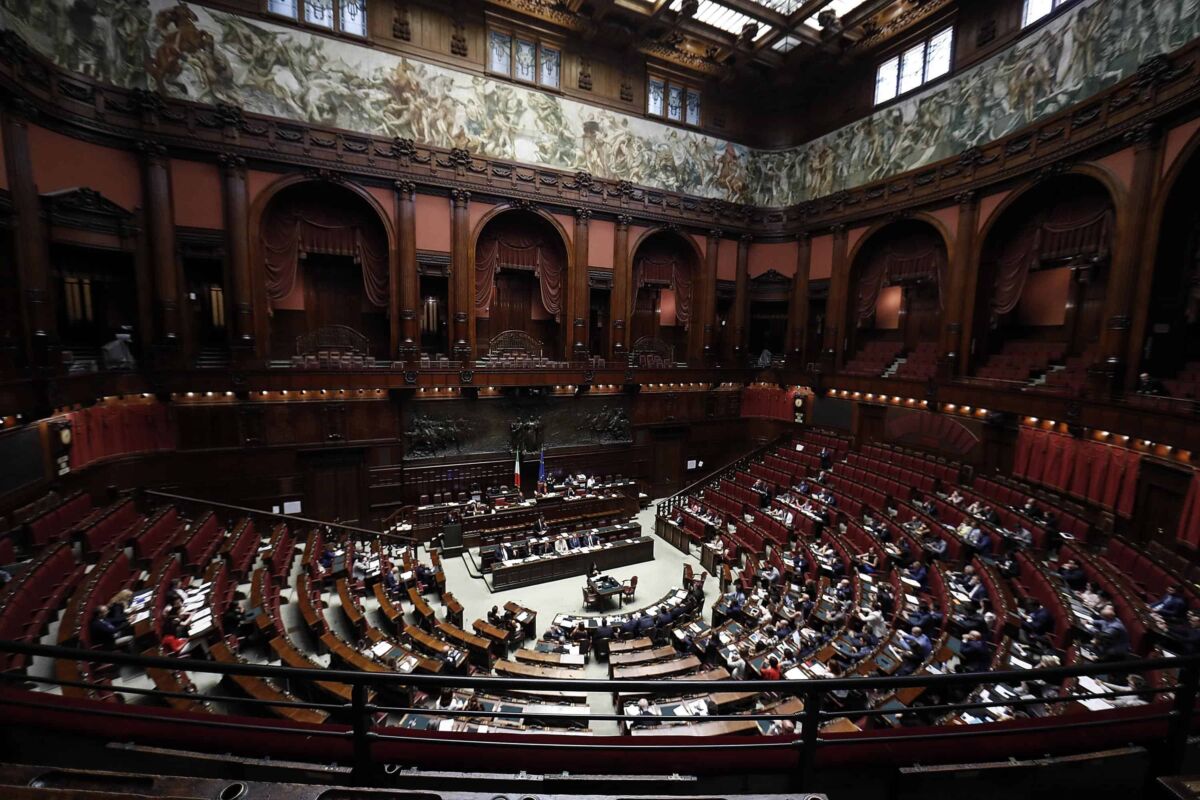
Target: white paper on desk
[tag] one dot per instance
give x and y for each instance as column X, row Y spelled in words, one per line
column 1097, row 704
column 1091, row 685
column 1019, row 664
column 379, row 648
column 446, row 725
column 139, row 617
column 795, row 674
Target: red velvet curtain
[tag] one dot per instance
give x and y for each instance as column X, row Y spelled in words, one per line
column 519, row 248
column 1078, row 228
column 768, row 401
column 1104, row 474
column 662, row 270
column 105, row 431
column 1189, row 521
column 304, row 225
column 905, row 260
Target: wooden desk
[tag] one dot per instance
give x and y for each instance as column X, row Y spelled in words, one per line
column 479, row 648
column 421, row 608
column 261, row 689
column 354, row 615
column 663, row 669
column 455, row 657
column 526, row 617
column 399, row 652
column 289, row 656
column 640, row 657
column 516, row 669
column 716, row 727
column 499, row 636
column 629, row 646
column 386, row 607
column 550, row 659
column 454, row 609
column 572, row 564
column 314, row 618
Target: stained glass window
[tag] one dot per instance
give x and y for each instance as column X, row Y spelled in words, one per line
column 319, row 12
column 500, row 52
column 675, row 103
column 693, row 107
column 354, row 16
column 286, row 8
column 654, row 97
column 551, row 59
column 526, row 61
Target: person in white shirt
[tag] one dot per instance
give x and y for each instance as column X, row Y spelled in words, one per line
column 875, row 622
column 737, row 665
column 560, row 545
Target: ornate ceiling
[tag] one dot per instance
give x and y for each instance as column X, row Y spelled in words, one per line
column 727, row 39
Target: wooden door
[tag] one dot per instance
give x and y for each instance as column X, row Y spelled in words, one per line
column 335, row 486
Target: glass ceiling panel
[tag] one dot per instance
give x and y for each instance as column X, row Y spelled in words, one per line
column 840, row 7
column 784, row 7
column 786, row 44
column 724, row 18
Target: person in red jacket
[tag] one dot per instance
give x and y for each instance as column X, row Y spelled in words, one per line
column 771, row 671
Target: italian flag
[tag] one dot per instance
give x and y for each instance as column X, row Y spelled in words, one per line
column 517, row 471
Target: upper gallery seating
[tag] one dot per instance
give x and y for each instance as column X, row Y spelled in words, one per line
column 920, row 363
column 872, row 359
column 1020, row 361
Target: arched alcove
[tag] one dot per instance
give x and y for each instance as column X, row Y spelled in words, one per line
column 666, row 270
column 324, row 256
column 1172, row 331
column 521, row 273
column 895, row 300
column 1043, row 269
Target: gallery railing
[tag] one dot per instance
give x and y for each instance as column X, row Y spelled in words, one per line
column 1171, row 682
column 294, row 520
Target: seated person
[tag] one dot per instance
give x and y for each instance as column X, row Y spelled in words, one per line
column 647, row 713
column 447, row 701
column 1037, row 622
column 781, row 727
column 918, row 572
column 117, row 607
column 771, row 671
column 955, row 498
column 736, row 664
column 1110, row 639
column 236, row 620
column 918, row 646
column 1073, row 575
column 494, row 617
column 1173, row 605
column 104, row 634
column 502, row 553
column 176, row 641
column 974, row 654
column 770, row 574
column 560, row 545
column 979, row 540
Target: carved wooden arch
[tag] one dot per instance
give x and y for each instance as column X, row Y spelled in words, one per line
column 697, row 329
column 848, row 310
column 1187, row 157
column 258, row 208
column 1099, row 174
column 564, row 328
column 1117, row 195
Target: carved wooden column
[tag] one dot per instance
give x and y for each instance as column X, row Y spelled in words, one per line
column 236, row 204
column 408, row 289
column 1120, row 345
column 736, row 344
column 578, row 289
column 462, row 278
column 797, row 326
column 707, row 307
column 960, row 287
column 618, row 301
column 160, row 221
column 836, row 305
column 39, row 316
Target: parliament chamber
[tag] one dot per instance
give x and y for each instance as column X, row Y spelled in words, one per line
column 607, row 398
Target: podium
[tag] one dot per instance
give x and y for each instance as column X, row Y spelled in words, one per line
column 452, row 540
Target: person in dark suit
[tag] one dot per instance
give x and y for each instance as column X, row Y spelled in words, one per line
column 645, row 623
column 1073, row 576
column 1173, row 605
column 104, row 633
column 1109, row 636
column 974, row 655
column 502, row 554
column 1038, row 622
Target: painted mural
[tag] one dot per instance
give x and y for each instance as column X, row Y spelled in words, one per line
column 193, row 52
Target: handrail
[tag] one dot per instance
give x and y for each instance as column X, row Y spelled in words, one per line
column 805, row 743
column 289, row 518
column 668, row 504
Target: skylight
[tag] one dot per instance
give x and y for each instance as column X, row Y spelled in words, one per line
column 839, row 7
column 786, row 44
column 784, row 7
column 726, row 19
